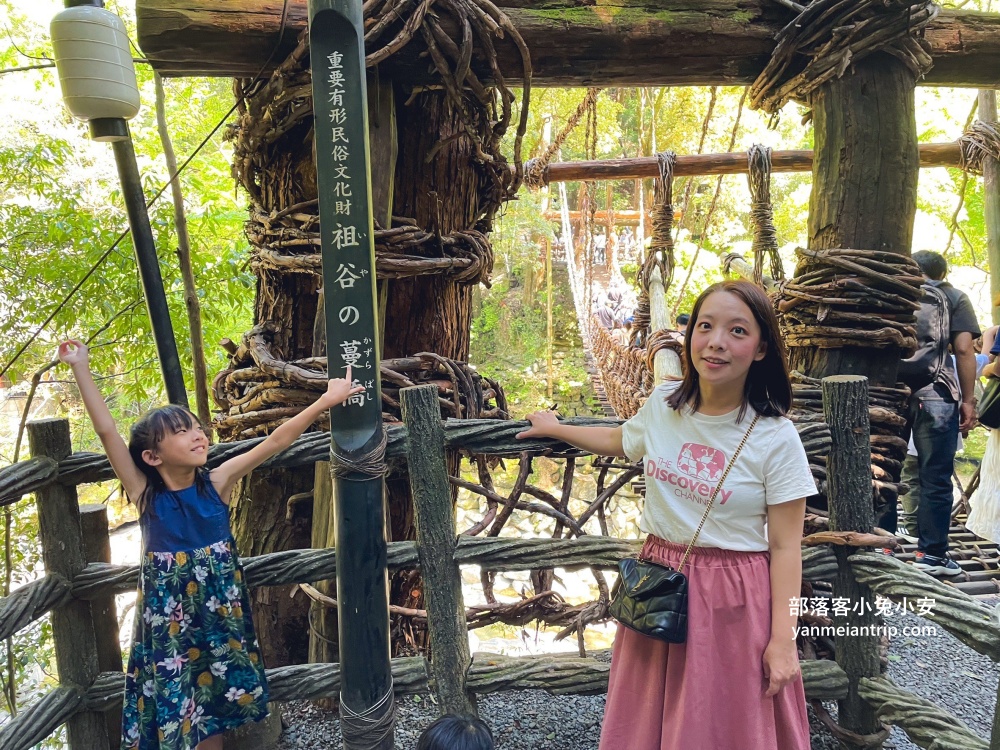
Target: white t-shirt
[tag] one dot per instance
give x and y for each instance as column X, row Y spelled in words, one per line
column 686, row 453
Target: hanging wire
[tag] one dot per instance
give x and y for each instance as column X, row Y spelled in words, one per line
column 104, row 256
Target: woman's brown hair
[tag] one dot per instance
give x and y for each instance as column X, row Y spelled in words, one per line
column 768, row 388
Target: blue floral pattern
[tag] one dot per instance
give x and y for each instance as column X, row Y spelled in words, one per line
column 195, row 668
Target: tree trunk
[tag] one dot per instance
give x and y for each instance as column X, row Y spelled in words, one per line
column 428, row 313
column 864, row 196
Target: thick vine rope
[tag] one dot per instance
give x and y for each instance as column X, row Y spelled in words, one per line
column 661, row 248
column 828, row 36
column 535, row 175
column 765, row 238
column 981, row 140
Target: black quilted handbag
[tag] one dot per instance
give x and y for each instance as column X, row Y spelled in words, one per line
column 652, row 599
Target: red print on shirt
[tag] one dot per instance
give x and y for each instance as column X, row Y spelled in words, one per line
column 701, row 462
column 693, row 476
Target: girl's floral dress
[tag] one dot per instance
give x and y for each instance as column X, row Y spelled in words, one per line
column 195, row 668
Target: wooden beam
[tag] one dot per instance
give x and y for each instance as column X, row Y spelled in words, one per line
column 572, row 42
column 931, row 155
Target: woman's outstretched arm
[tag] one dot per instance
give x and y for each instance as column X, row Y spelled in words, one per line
column 601, row 441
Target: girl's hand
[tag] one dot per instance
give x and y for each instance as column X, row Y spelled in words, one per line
column 781, row 664
column 542, row 423
column 73, row 353
column 339, row 390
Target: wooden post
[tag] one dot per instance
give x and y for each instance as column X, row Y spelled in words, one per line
column 849, row 489
column 97, row 548
column 995, row 734
column 991, row 199
column 436, row 542
column 666, row 362
column 323, row 627
column 62, row 551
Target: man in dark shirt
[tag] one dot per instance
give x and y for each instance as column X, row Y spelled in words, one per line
column 938, row 412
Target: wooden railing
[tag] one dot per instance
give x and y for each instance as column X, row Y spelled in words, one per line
column 71, row 584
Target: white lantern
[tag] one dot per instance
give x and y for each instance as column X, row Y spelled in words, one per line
column 95, row 64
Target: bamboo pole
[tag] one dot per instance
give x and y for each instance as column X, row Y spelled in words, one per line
column 931, row 155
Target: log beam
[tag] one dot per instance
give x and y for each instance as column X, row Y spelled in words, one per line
column 572, row 42
column 931, row 155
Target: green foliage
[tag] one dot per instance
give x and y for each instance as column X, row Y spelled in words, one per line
column 60, row 211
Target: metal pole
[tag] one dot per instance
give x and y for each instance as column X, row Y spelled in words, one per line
column 343, row 168
column 149, row 271
column 116, row 132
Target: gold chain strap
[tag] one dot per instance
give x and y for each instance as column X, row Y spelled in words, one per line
column 715, row 492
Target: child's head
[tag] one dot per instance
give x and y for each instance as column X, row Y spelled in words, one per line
column 453, row 732
column 733, row 340
column 170, row 437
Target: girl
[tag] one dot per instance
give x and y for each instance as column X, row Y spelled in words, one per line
column 735, row 684
column 194, row 671
column 453, row 732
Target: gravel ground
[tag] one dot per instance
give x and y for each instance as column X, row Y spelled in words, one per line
column 937, row 667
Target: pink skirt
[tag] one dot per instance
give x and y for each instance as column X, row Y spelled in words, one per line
column 707, row 693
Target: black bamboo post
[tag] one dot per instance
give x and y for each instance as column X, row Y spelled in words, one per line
column 437, row 541
column 343, row 170
column 63, row 553
column 849, row 489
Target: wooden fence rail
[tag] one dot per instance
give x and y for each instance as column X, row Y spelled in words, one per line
column 31, row 601
column 489, row 673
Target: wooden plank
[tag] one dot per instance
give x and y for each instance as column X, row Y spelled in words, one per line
column 572, row 42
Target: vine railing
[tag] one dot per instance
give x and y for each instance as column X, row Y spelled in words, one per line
column 53, row 472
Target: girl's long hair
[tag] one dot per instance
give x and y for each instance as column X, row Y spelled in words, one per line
column 146, row 435
column 768, row 388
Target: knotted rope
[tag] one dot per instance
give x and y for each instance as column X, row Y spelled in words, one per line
column 371, row 464
column 661, row 248
column 535, row 175
column 765, row 238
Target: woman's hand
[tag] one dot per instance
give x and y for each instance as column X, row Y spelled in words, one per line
column 339, row 390
column 542, row 423
column 73, row 353
column 781, row 664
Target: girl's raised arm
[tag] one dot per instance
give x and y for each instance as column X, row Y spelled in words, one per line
column 225, row 476
column 74, row 354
